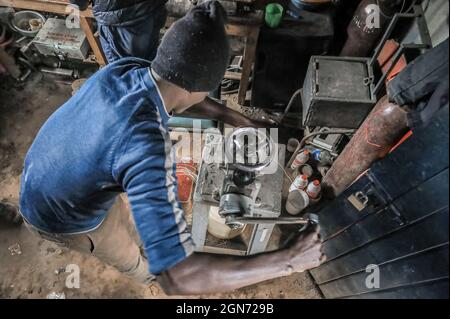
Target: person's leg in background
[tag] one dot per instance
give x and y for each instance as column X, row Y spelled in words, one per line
column 114, row 243
column 139, row 39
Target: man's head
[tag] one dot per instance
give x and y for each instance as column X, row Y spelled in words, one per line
column 194, row 52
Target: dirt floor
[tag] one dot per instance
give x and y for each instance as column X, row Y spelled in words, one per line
column 34, row 268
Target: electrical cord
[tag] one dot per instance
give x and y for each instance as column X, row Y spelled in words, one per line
column 291, row 102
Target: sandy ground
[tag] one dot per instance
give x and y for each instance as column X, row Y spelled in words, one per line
column 39, row 269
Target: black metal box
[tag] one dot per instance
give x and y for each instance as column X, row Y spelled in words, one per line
column 337, row 92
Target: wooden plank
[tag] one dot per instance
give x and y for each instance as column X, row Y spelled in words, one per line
column 233, row 29
column 86, row 25
column 249, row 58
column 239, row 30
column 58, row 7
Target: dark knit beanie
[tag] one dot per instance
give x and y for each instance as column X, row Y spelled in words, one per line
column 194, row 52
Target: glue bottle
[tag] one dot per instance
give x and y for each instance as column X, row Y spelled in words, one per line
column 300, row 182
column 314, row 190
column 300, row 159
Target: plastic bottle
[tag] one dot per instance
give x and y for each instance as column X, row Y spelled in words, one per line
column 300, row 182
column 314, row 189
column 300, row 159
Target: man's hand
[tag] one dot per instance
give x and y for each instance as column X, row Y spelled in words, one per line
column 209, row 273
column 305, row 251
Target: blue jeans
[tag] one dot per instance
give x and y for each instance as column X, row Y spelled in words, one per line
column 137, row 40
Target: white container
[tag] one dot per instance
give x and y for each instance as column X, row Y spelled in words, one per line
column 297, row 201
column 300, row 159
column 314, row 189
column 300, row 182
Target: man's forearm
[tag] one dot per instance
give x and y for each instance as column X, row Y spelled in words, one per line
column 208, row 273
column 210, row 109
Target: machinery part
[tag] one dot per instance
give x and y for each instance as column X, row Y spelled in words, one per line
column 338, row 92
column 55, row 39
column 333, row 143
column 308, row 136
column 363, row 38
column 383, row 128
column 242, row 179
column 218, row 228
column 60, row 71
column 235, row 204
column 278, row 220
column 259, row 200
column 27, row 22
column 249, row 149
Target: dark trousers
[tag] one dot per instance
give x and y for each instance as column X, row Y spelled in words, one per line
column 423, row 86
column 139, row 39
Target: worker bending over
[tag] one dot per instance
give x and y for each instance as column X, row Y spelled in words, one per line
column 112, row 136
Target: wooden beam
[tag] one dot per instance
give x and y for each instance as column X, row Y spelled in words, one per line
column 239, row 30
column 53, row 6
column 86, row 25
column 248, row 59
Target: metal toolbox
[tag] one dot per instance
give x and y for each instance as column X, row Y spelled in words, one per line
column 341, row 91
column 56, row 39
column 338, row 91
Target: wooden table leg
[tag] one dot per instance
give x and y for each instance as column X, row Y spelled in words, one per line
column 86, row 25
column 249, row 58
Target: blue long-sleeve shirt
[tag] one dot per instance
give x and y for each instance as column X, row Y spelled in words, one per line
column 110, row 137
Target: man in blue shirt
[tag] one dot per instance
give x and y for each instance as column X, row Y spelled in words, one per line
column 112, row 136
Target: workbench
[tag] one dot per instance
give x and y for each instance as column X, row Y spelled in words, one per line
column 247, row 27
